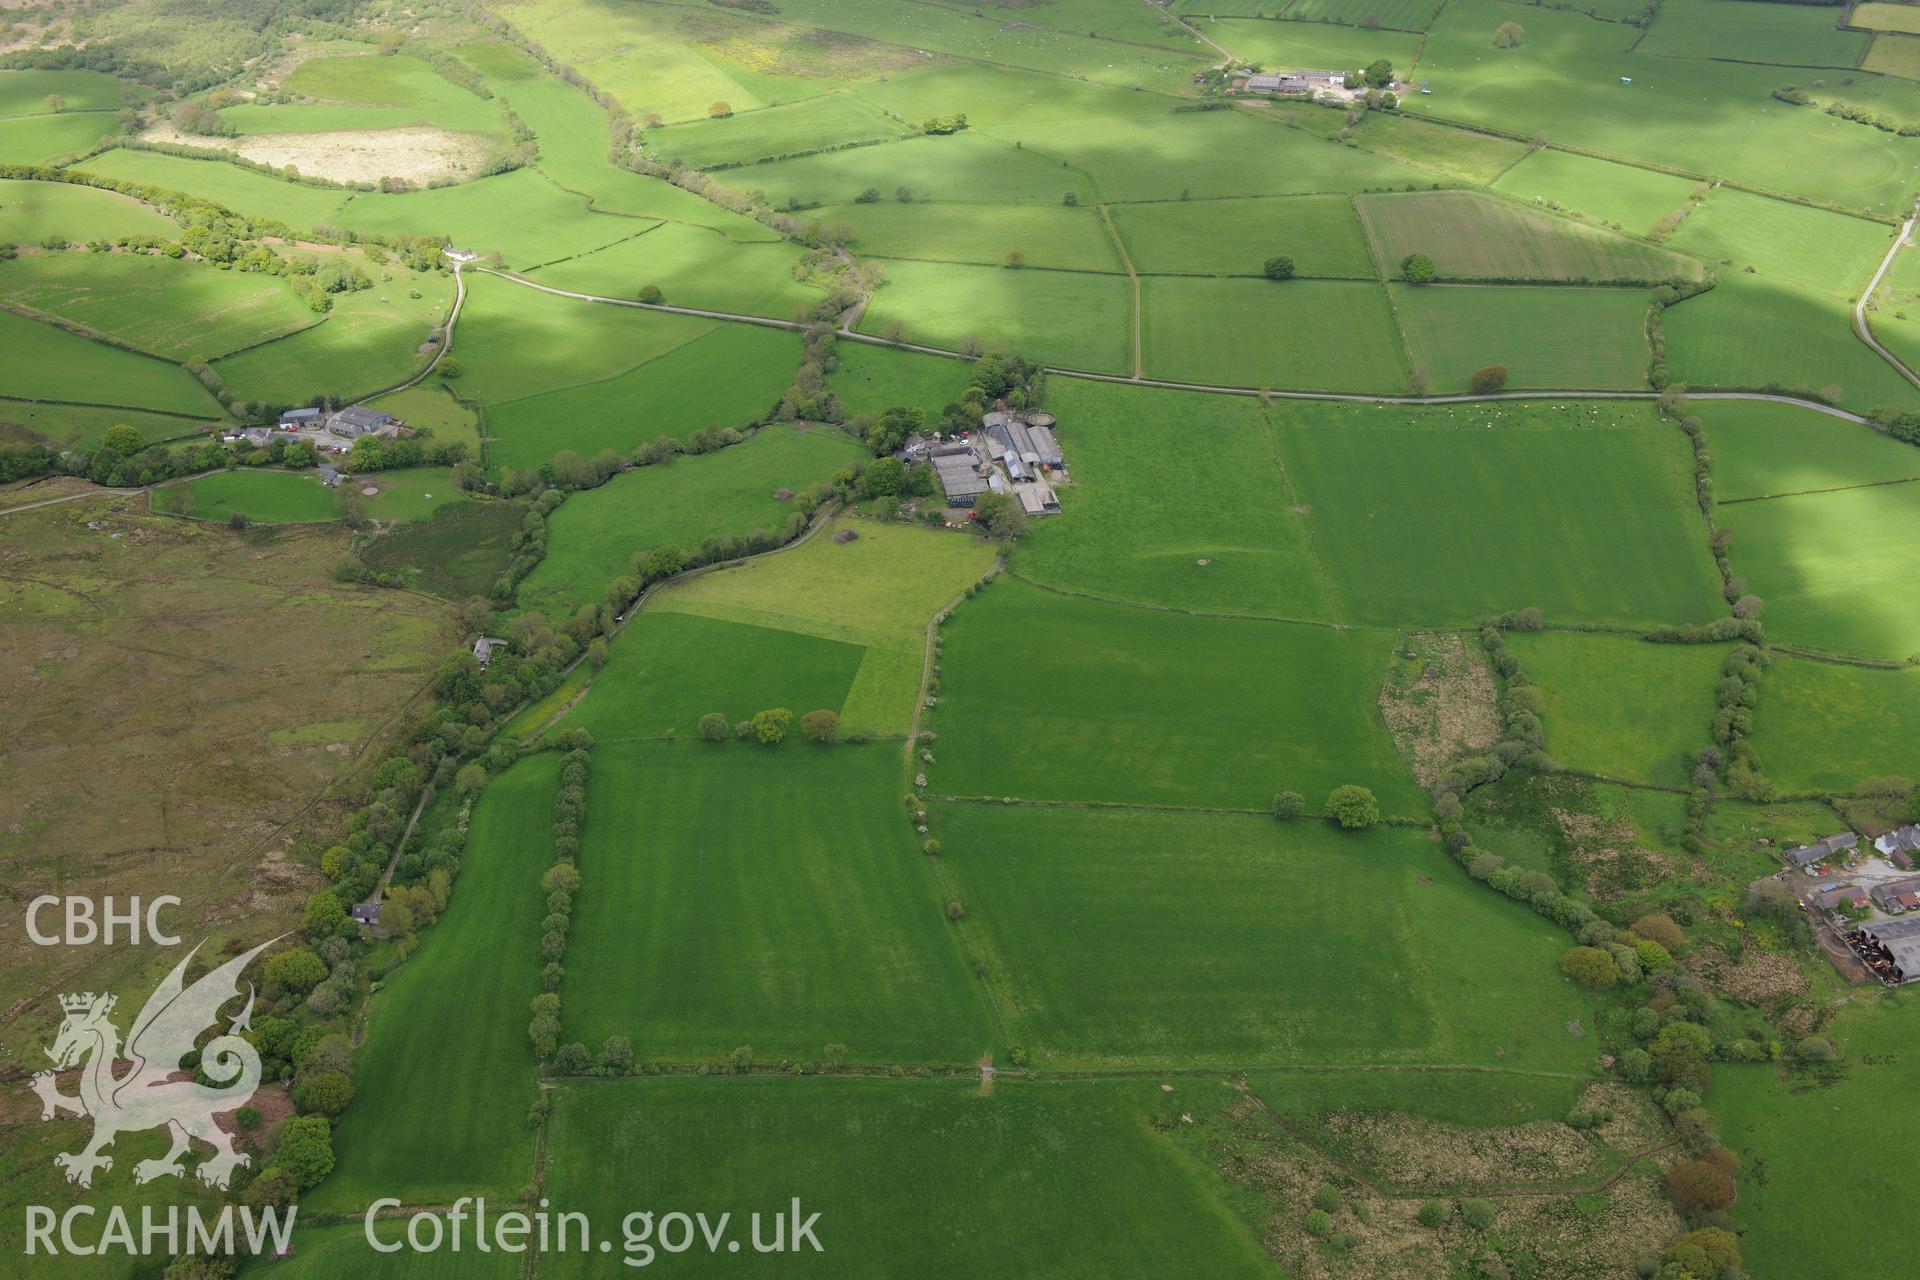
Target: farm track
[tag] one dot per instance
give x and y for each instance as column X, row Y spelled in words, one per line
column 1860, row 325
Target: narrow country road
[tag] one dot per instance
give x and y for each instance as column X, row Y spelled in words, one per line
column 1860, row 325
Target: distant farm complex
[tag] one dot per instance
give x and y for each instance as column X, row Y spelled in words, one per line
column 1013, row 452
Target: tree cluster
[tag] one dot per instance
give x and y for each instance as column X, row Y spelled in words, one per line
column 559, row 885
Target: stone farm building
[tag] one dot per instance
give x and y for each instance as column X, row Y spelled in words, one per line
column 358, row 420
column 1808, row 855
column 1297, row 84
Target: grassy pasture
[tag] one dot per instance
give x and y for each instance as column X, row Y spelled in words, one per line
column 1810, row 1138
column 370, row 341
column 520, row 215
column 412, row 493
column 1216, row 493
column 1548, row 337
column 1315, row 45
column 1893, row 56
column 432, row 408
column 265, row 497
column 1748, row 334
column 242, row 190
column 1236, row 237
column 879, row 591
column 1623, row 546
column 341, row 1252
column 1832, row 567
column 1471, row 235
column 572, row 129
column 1747, row 31
column 1459, row 154
column 831, row 120
column 669, row 669
column 45, row 363
column 81, row 426
column 1712, row 118
column 392, row 80
column 1635, row 198
column 1342, row 336
column 461, row 1002
column 1824, row 726
column 25, row 92
column 515, row 341
column 1058, row 317
column 731, row 376
column 1804, row 248
column 455, row 551
column 694, row 267
column 1875, row 16
column 32, row 211
column 1402, row 15
column 1141, row 706
column 1080, row 1164
column 167, row 307
column 593, row 536
column 869, row 379
column 964, row 167
column 1206, row 153
column 1620, row 706
column 1761, row 450
column 1159, row 939
column 50, row 139
column 1061, row 238
column 993, row 95
column 735, row 894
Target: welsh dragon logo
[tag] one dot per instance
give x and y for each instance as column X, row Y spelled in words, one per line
column 152, row 1093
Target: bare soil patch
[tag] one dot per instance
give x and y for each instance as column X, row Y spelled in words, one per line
column 417, row 153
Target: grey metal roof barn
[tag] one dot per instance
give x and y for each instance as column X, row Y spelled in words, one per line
column 358, row 419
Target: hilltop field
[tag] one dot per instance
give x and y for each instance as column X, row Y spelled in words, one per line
column 491, row 470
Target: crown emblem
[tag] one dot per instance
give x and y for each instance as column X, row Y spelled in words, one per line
column 83, row 1002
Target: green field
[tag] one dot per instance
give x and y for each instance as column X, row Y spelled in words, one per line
column 1403, row 15
column 1209, row 526
column 1342, row 339
column 519, row 215
column 341, row 1252
column 371, row 341
column 1062, row 238
column 1824, row 726
column 1805, row 248
column 254, row 194
column 81, row 426
column 1318, row 45
column 1058, row 317
column 1080, row 1165
column 1749, row 334
column 409, row 90
column 869, row 379
column 1634, row 198
column 1565, row 80
column 693, row 267
column 1320, row 946
column 731, row 375
column 1876, row 16
column 1762, row 450
column 669, row 669
column 264, row 497
column 32, row 211
column 1621, row 544
column 25, row 93
column 430, row 407
column 1810, row 1137
column 461, row 1003
column 50, row 139
column 965, row 168
column 1831, row 567
column 45, row 363
column 1471, row 235
column 166, row 307
column 1463, row 155
column 832, row 120
column 1547, row 337
column 592, row 538
column 1236, row 237
column 1622, row 707
column 878, row 591
column 734, row 895
column 1893, row 56
column 1140, row 706
column 414, row 493
column 1745, row 31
